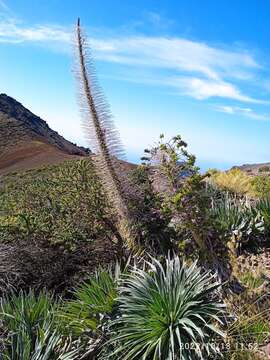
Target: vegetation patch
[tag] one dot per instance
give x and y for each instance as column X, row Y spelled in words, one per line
column 62, row 204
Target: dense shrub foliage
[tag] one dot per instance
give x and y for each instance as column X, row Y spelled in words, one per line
column 261, row 186
column 166, row 308
column 180, row 189
column 244, row 222
column 240, row 183
column 235, row 181
column 264, row 169
column 239, row 221
column 152, row 310
column 66, row 205
column 63, row 204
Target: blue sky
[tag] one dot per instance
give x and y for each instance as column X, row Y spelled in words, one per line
column 196, row 68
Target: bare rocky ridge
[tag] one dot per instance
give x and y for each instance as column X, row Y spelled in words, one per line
column 18, row 124
column 254, row 169
column 26, row 141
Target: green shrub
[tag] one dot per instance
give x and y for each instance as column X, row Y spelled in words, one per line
column 251, row 280
column 63, row 204
column 261, row 186
column 238, row 221
column 152, row 223
column 263, row 207
column 181, row 190
column 93, row 303
column 264, row 169
column 27, row 310
column 30, row 331
column 164, row 311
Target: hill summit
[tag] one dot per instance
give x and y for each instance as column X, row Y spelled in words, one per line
column 26, row 141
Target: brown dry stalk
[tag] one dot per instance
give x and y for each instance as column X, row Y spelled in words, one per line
column 104, row 138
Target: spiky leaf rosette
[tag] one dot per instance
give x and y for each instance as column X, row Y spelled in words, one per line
column 101, row 133
column 167, row 313
column 30, row 329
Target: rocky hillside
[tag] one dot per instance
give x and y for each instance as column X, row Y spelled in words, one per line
column 26, row 141
column 255, row 169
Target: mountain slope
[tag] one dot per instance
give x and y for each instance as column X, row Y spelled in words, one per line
column 255, row 169
column 26, row 141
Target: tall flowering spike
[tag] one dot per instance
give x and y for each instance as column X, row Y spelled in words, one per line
column 100, row 131
column 102, row 134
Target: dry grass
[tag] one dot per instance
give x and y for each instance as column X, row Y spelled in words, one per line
column 235, row 181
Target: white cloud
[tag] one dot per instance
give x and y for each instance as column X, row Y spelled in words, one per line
column 248, row 112
column 200, row 70
column 202, row 89
column 179, row 54
column 12, row 32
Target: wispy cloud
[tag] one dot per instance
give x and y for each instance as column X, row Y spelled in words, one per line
column 12, row 32
column 248, row 112
column 199, row 70
column 198, row 88
column 180, row 54
column 202, row 89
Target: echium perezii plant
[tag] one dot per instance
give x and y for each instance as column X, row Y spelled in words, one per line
column 102, row 135
column 177, row 179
